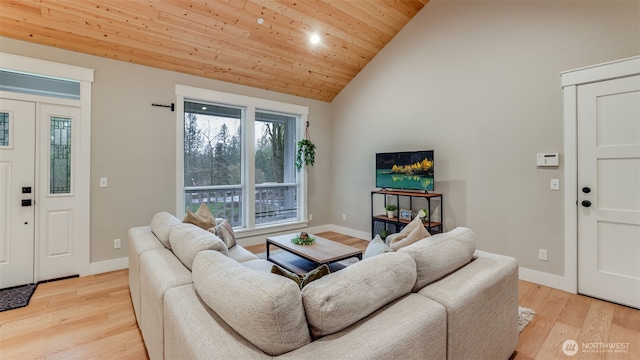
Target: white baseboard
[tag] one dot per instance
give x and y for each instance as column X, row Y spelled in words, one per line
column 546, row 279
column 351, row 232
column 108, row 265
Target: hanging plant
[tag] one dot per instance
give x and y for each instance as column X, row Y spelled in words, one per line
column 306, row 151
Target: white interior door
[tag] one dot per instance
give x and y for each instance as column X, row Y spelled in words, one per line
column 17, row 172
column 609, row 190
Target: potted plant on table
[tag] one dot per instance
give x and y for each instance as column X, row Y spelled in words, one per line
column 391, row 209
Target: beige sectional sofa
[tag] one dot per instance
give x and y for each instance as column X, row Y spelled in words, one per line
column 196, row 299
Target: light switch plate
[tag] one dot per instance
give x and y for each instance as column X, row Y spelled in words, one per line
column 554, row 184
column 103, row 182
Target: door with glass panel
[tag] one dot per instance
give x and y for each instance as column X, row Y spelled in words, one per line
column 59, row 198
column 39, row 200
column 17, row 180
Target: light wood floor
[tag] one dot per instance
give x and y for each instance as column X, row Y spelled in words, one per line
column 92, row 317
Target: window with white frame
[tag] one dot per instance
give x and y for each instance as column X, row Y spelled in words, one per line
column 239, row 158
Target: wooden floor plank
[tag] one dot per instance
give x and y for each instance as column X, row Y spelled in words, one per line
column 92, row 317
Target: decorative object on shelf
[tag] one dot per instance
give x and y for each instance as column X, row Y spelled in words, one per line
column 306, row 151
column 405, row 214
column 424, row 214
column 303, row 239
column 391, row 209
column 432, row 212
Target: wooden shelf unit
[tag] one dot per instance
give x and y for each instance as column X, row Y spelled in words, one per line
column 432, row 226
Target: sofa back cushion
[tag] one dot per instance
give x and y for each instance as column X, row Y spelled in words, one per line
column 441, row 254
column 161, row 225
column 188, row 240
column 340, row 299
column 266, row 309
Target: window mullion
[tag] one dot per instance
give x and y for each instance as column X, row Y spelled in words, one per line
column 248, row 174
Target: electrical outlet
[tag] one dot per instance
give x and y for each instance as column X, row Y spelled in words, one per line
column 310, row 217
column 344, row 217
column 542, row 254
column 117, row 244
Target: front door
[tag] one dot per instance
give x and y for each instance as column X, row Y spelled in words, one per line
column 609, row 190
column 17, row 192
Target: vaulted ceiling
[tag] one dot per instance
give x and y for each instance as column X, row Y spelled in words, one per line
column 259, row 43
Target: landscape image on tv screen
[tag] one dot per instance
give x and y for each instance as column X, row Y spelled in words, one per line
column 409, row 170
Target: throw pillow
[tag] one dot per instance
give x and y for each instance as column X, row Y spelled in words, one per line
column 202, row 218
column 302, row 280
column 224, row 231
column 411, row 233
column 376, row 247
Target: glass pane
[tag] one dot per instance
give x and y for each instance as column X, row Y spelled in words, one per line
column 274, row 164
column 212, row 161
column 39, row 85
column 60, row 176
column 4, row 129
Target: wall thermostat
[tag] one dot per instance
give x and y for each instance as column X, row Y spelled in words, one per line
column 547, row 159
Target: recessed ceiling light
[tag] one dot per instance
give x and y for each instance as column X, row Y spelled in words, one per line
column 260, row 21
column 315, row 38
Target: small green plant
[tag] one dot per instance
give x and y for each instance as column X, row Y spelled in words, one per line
column 391, row 207
column 383, row 234
column 306, row 153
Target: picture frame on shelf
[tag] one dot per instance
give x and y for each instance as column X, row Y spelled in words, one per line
column 404, row 214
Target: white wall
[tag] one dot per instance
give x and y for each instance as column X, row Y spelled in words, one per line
column 134, row 144
column 479, row 82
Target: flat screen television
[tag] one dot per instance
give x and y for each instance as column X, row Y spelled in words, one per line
column 406, row 170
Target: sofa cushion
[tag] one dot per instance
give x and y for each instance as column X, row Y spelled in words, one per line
column 376, row 247
column 188, row 240
column 258, row 264
column 264, row 308
column 240, row 254
column 202, row 218
column 414, row 231
column 441, row 254
column 347, row 296
column 161, row 225
column 224, row 231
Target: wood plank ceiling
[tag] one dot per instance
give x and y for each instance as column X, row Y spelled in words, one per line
column 222, row 39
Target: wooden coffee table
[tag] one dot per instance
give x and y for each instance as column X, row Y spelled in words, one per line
column 303, row 258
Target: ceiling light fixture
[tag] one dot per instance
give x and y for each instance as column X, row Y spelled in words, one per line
column 315, row 38
column 260, row 21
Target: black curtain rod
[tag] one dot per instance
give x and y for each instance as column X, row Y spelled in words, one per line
column 172, row 106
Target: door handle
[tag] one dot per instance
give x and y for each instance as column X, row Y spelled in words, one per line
column 26, row 202
column 586, row 189
column 586, row 203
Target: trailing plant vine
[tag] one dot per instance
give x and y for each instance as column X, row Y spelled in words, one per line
column 306, row 151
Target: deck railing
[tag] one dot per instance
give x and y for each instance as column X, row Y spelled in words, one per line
column 273, row 202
